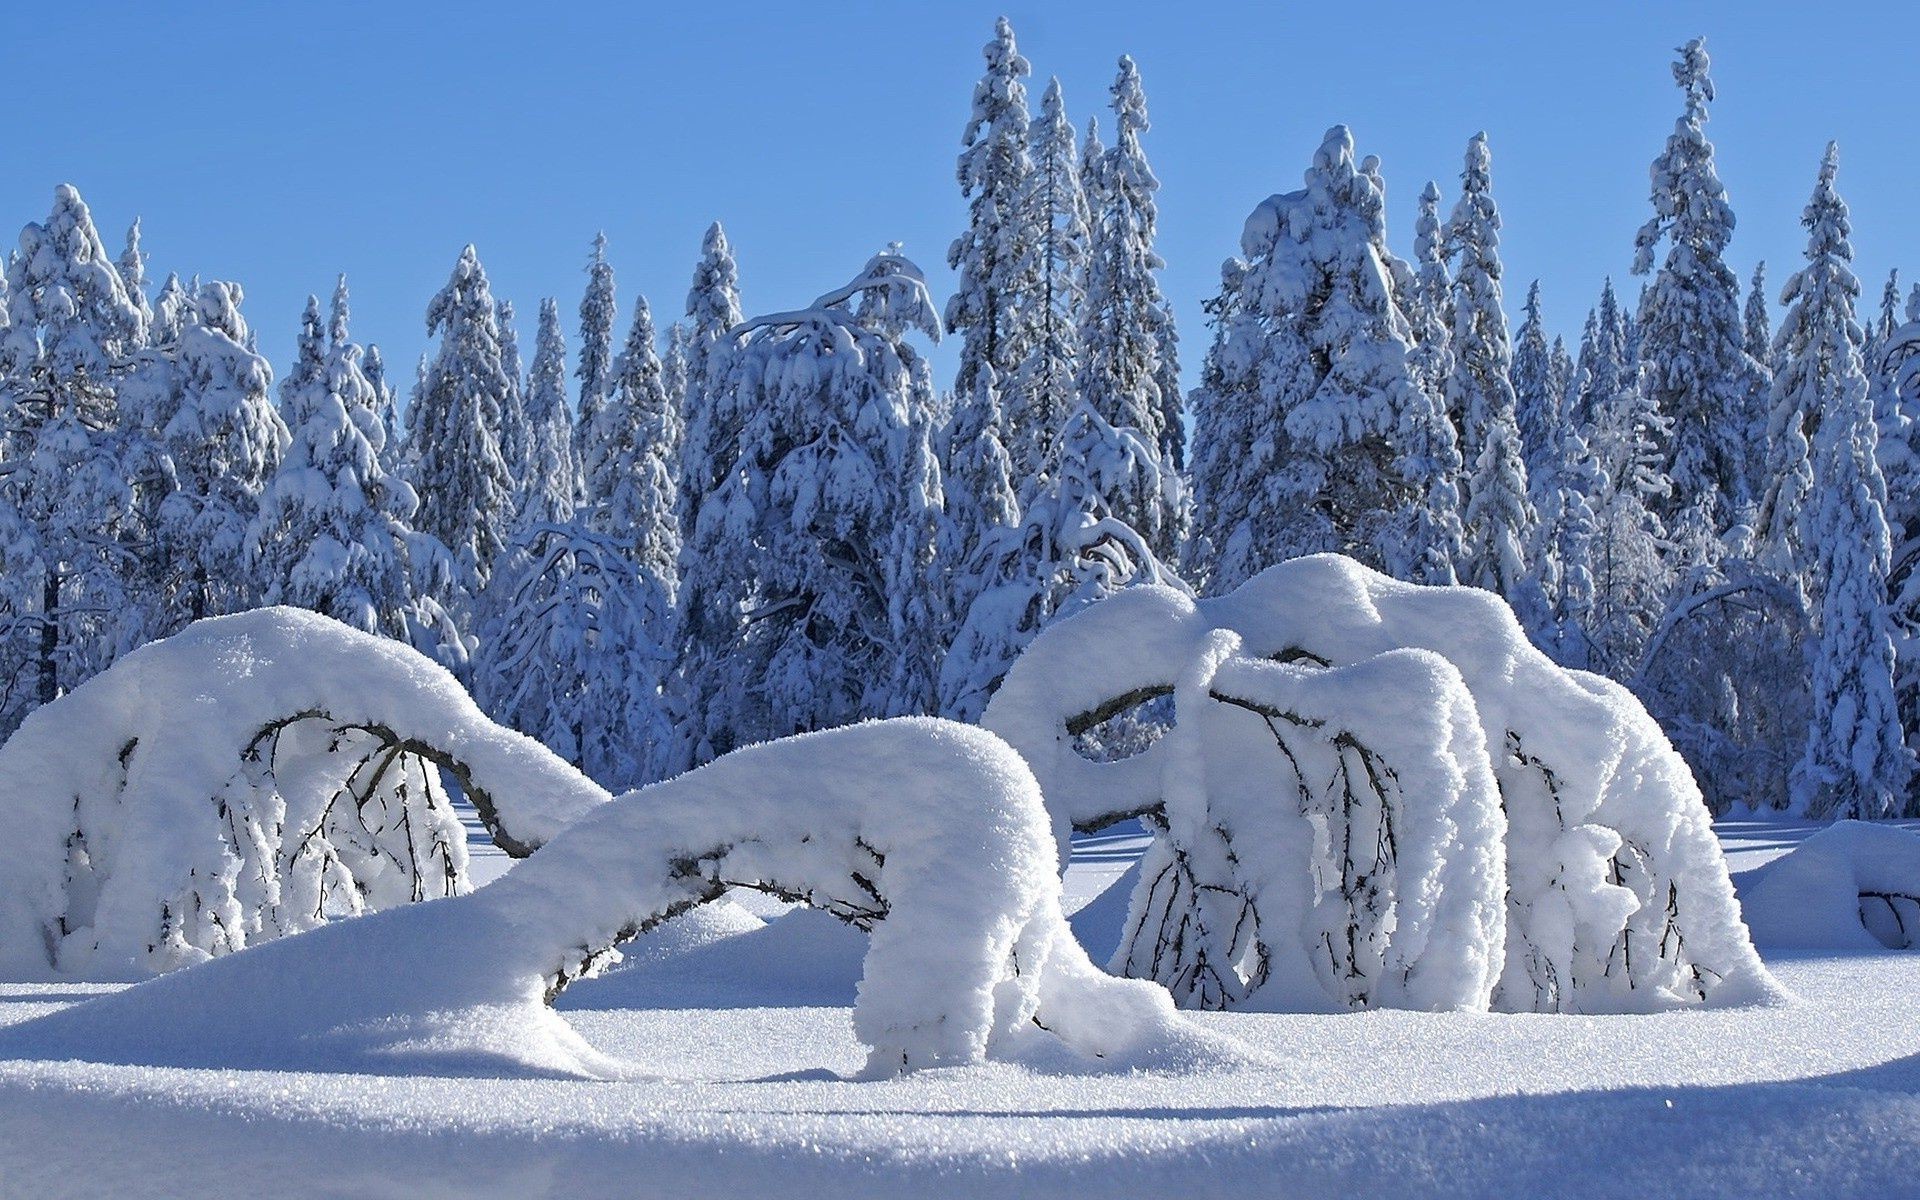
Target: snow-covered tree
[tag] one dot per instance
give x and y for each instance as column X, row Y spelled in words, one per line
column 1037, row 397
column 995, row 257
column 384, row 408
column 1429, row 305
column 514, row 444
column 454, row 426
column 1566, row 484
column 1499, row 518
column 1897, row 413
column 1856, row 763
column 133, row 273
column 1129, row 369
column 712, row 430
column 798, row 573
column 1694, row 365
column 332, row 533
column 1539, row 391
column 550, row 474
column 1756, row 324
column 1312, row 432
column 597, row 315
column 224, row 440
column 67, row 529
column 633, row 486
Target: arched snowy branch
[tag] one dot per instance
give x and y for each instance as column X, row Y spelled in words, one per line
column 1618, row 894
column 252, row 776
column 928, row 834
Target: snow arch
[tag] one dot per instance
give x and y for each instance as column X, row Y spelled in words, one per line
column 249, row 777
column 929, row 834
column 1616, row 894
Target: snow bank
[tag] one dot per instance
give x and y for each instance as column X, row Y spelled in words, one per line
column 1851, row 886
column 251, row 776
column 1617, row 894
column 928, row 834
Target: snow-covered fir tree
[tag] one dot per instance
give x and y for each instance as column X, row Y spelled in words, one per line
column 712, row 429
column 1565, row 484
column 597, row 315
column 454, row 426
column 1756, row 325
column 1036, row 398
column 514, row 443
column 550, row 474
column 1429, row 306
column 332, row 531
column 1856, row 763
column 1897, row 413
column 797, row 574
column 224, row 440
column 1499, row 517
column 1539, row 391
column 633, row 486
column 67, row 529
column 1312, row 432
column 133, row 273
column 1129, row 365
column 979, row 491
column 1695, row 368
column 385, row 409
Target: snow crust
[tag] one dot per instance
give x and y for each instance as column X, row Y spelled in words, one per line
column 1850, row 886
column 929, row 834
column 1619, row 898
column 224, row 786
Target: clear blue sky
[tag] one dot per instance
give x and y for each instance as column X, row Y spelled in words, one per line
column 278, row 144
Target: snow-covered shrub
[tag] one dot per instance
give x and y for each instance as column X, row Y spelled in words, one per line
column 1851, row 886
column 249, row 777
column 1617, row 893
column 928, row 834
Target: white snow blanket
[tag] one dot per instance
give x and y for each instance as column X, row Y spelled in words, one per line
column 929, row 834
column 1851, row 886
column 1322, row 887
column 252, row 776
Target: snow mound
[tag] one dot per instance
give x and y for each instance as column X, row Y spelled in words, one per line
column 252, row 776
column 1396, row 759
column 929, row 835
column 1851, row 886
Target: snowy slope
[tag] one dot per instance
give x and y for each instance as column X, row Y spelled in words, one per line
column 747, row 1026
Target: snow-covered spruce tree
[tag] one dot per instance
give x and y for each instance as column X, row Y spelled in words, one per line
column 633, row 486
column 1128, row 368
column 454, row 426
column 1311, row 425
column 67, row 529
column 597, row 316
column 1037, row 397
column 550, row 479
column 994, row 258
column 1756, row 325
column 712, row 430
column 1566, row 485
column 1069, row 549
column 133, row 273
column 514, row 445
column 1694, row 365
column 1499, row 518
column 1538, row 389
column 1430, row 305
column 1856, row 763
column 1432, row 447
column 1897, row 413
column 385, row 410
column 797, row 573
column 224, row 440
column 331, row 534
column 980, row 494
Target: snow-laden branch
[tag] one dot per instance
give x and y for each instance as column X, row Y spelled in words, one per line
column 251, row 776
column 1618, row 896
column 928, row 834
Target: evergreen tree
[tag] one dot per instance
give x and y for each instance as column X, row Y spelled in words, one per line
column 1897, row 413
column 799, row 568
column 1694, row 366
column 597, row 315
column 1499, row 518
column 633, row 485
column 1566, row 485
column 1128, row 366
column 514, row 443
column 712, row 430
column 1757, row 326
column 979, row 491
column 1538, row 389
column 453, row 427
column 1856, row 763
column 1430, row 304
column 550, row 475
column 385, row 410
column 133, row 273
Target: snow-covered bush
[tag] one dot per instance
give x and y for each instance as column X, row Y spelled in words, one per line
column 249, row 777
column 1617, row 893
column 1851, row 886
column 928, row 834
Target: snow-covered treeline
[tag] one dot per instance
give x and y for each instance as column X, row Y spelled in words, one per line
column 730, row 527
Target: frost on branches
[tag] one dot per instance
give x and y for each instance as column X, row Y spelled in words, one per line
column 252, row 776
column 1337, row 840
column 803, row 573
column 928, row 835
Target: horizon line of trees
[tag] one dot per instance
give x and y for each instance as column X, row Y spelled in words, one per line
column 751, row 527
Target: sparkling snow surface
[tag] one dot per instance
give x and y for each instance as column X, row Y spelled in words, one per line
column 743, row 1012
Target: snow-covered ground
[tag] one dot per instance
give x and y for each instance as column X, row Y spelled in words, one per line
column 744, row 1016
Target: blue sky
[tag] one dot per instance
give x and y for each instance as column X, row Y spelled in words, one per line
column 279, row 144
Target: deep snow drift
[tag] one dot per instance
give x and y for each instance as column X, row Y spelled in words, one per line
column 249, row 777
column 1618, row 898
column 928, row 834
column 1850, row 886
